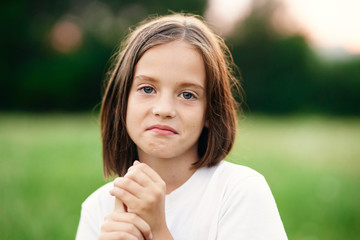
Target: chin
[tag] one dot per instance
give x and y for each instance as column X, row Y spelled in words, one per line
column 160, row 154
column 159, row 151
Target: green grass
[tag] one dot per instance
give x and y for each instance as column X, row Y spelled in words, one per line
column 312, row 165
column 50, row 163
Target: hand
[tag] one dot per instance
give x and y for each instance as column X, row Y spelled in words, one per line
column 143, row 192
column 121, row 225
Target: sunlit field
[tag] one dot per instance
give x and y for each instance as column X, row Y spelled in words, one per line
column 50, row 163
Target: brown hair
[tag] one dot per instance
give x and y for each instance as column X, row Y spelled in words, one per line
column 216, row 141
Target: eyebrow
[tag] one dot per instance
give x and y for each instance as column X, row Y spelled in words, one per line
column 192, row 85
column 183, row 84
column 144, row 78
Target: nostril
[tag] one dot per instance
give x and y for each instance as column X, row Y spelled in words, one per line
column 164, row 112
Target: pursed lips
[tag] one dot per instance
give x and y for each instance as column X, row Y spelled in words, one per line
column 162, row 129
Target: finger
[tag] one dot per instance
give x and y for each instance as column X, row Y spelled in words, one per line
column 144, row 227
column 132, row 218
column 118, row 236
column 139, row 174
column 119, row 205
column 139, row 177
column 124, row 227
column 147, row 170
column 124, row 196
column 129, row 185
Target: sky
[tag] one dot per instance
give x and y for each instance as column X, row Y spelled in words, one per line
column 327, row 24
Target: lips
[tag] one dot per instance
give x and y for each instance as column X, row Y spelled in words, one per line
column 162, row 129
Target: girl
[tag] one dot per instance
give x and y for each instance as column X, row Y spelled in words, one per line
column 167, row 120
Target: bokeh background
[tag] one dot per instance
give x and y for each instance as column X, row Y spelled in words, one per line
column 300, row 68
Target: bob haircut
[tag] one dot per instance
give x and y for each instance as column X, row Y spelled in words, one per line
column 216, row 141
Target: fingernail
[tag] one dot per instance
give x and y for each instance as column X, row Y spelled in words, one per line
column 136, row 162
column 150, row 236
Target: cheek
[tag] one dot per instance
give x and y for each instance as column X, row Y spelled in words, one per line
column 131, row 119
column 132, row 110
column 197, row 123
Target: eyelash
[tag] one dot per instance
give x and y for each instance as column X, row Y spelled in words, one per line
column 145, row 88
column 192, row 95
column 142, row 89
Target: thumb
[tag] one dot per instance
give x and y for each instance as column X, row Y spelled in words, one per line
column 119, row 206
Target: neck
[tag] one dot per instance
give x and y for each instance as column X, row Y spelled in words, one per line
column 174, row 171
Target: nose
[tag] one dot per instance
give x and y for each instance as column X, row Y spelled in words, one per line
column 164, row 107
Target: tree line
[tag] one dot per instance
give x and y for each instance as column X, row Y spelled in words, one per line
column 280, row 73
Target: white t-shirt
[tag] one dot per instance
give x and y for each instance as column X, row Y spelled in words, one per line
column 224, row 202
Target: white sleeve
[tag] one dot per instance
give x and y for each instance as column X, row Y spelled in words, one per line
column 88, row 228
column 93, row 211
column 249, row 211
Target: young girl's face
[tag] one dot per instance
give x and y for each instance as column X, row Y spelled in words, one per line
column 167, row 102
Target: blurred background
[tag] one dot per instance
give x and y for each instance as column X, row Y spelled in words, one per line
column 300, row 69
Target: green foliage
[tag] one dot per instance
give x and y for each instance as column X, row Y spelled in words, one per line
column 50, row 163
column 281, row 74
column 37, row 77
column 338, row 87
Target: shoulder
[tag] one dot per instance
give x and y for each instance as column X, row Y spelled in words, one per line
column 241, row 182
column 229, row 181
column 234, row 172
column 248, row 209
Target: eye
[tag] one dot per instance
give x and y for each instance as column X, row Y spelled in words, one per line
column 187, row 95
column 147, row 90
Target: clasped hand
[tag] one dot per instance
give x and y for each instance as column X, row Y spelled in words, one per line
column 139, row 205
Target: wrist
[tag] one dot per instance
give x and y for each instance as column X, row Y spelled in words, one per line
column 162, row 233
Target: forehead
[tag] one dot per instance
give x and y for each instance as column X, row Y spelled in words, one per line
column 175, row 60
